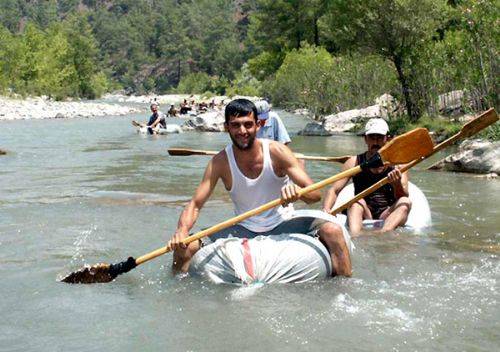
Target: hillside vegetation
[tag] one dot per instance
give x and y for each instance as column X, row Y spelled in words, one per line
column 325, row 55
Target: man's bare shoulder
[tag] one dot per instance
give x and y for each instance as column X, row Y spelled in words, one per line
column 219, row 160
column 351, row 162
column 279, row 151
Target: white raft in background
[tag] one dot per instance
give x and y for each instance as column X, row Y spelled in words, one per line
column 282, row 258
column 171, row 128
column 419, row 217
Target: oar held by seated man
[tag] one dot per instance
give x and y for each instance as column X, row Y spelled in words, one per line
column 256, row 171
column 390, row 202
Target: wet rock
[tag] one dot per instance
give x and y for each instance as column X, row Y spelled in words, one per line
column 2, row 152
column 474, row 156
column 207, row 122
column 303, row 112
column 59, row 116
column 451, row 103
column 346, row 120
column 314, row 129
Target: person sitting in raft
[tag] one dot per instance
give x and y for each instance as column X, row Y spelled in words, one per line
column 172, row 112
column 156, row 120
column 390, row 202
column 184, row 107
column 271, row 126
column 256, row 171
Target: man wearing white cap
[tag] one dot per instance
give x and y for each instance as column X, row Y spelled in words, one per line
column 271, row 126
column 390, row 202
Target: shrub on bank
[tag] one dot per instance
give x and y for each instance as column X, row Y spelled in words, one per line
column 311, row 77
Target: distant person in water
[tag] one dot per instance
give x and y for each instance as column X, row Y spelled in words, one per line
column 390, row 203
column 156, row 120
column 185, row 107
column 172, row 112
column 271, row 126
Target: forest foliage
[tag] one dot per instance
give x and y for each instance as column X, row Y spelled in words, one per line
column 326, row 55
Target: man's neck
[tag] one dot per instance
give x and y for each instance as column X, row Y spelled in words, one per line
column 369, row 154
column 248, row 154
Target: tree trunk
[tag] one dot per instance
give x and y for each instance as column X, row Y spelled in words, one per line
column 316, row 32
column 411, row 108
column 178, row 71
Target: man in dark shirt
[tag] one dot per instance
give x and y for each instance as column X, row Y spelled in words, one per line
column 390, row 202
column 157, row 119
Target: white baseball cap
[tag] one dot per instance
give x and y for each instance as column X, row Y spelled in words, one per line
column 263, row 109
column 376, row 126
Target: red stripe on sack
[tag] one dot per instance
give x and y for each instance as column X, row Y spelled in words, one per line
column 247, row 258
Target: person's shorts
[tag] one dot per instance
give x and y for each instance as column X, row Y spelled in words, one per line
column 305, row 222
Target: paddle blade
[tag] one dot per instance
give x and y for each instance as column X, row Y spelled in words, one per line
column 409, row 146
column 180, row 151
column 184, row 152
column 487, row 118
column 100, row 273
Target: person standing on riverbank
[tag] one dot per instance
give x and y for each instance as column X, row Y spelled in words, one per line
column 256, row 171
column 390, row 202
column 271, row 126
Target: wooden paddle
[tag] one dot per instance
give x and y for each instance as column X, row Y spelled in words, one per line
column 185, row 152
column 403, row 149
column 469, row 129
column 138, row 124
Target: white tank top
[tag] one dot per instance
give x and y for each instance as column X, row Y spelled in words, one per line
column 248, row 194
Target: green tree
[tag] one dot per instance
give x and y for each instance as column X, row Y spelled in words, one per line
column 324, row 83
column 393, row 29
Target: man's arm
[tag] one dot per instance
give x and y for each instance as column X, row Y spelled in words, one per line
column 156, row 122
column 192, row 210
column 281, row 133
column 287, row 163
column 332, row 193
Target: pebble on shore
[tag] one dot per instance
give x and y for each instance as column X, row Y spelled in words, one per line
column 43, row 108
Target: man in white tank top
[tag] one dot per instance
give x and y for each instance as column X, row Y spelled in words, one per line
column 254, row 172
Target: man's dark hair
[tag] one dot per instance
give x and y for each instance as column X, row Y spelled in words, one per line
column 240, row 107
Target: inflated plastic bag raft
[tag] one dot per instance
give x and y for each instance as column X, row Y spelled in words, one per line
column 418, row 218
column 284, row 258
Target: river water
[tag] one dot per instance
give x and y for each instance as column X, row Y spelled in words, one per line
column 90, row 190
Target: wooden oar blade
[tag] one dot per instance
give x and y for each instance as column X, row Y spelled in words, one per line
column 98, row 273
column 487, row 118
column 409, row 146
column 186, row 152
column 179, row 151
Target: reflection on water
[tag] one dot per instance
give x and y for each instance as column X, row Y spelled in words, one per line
column 82, row 191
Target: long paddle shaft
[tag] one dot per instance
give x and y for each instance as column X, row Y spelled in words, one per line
column 186, row 152
column 471, row 128
column 403, row 149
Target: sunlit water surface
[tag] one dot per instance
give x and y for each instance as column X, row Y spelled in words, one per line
column 89, row 190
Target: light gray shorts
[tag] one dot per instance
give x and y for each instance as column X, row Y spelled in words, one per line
column 305, row 222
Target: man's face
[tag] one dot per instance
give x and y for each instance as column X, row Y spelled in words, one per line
column 154, row 108
column 375, row 142
column 242, row 130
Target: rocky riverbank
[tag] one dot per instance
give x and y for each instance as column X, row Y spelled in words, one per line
column 345, row 121
column 44, row 108
column 473, row 156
